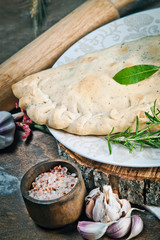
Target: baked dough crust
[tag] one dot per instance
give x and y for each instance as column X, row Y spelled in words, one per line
column 82, row 98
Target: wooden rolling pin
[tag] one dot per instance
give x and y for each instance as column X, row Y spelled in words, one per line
column 41, row 53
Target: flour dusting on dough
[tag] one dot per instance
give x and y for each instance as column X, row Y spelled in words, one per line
column 82, row 98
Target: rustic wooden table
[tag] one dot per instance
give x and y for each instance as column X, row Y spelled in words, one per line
column 15, row 222
column 15, row 160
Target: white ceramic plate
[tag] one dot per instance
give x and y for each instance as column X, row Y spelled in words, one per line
column 95, row 148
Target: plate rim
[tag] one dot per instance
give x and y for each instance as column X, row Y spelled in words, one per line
column 54, row 131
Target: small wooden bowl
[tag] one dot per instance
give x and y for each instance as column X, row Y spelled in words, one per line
column 61, row 211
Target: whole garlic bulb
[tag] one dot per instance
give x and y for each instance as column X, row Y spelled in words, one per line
column 105, row 206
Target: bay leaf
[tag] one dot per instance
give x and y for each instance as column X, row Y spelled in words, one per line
column 135, row 74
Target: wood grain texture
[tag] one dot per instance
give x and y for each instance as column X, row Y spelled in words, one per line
column 120, row 4
column 58, row 212
column 44, row 51
column 139, row 185
column 15, row 223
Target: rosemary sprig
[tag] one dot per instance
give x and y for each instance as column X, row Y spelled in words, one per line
column 145, row 137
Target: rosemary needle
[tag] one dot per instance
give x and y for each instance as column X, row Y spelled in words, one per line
column 145, row 137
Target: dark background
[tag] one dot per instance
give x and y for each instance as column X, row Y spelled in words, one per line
column 16, row 25
column 16, row 30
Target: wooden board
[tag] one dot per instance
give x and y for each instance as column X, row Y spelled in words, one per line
column 15, row 223
column 138, row 185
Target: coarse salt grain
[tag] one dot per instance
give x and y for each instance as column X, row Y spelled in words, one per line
column 54, row 184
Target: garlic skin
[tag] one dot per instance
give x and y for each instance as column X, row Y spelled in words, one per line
column 124, row 224
column 126, row 206
column 89, row 208
column 92, row 230
column 120, row 228
column 113, row 208
column 110, row 215
column 93, row 193
column 98, row 211
column 136, row 227
column 105, row 206
column 90, row 201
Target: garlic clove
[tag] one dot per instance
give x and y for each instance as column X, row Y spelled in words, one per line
column 93, row 194
column 90, row 201
column 106, row 217
column 98, row 209
column 113, row 210
column 137, row 226
column 113, row 213
column 107, row 190
column 92, row 230
column 120, row 228
column 111, row 198
column 89, row 208
column 126, row 206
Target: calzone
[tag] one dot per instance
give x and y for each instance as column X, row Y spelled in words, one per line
column 82, row 97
